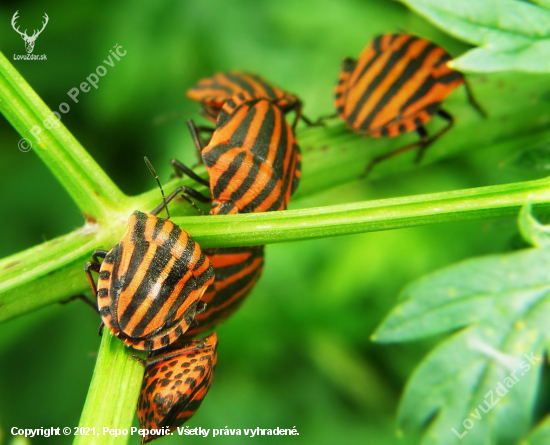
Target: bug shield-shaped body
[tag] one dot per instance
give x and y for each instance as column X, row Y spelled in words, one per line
column 396, row 85
column 151, row 282
column 175, row 383
column 253, row 158
column 212, row 92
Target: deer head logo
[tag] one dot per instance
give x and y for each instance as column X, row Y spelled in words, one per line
column 29, row 41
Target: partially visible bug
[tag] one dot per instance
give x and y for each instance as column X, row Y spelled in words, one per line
column 395, row 86
column 151, row 283
column 237, row 270
column 212, row 93
column 175, row 383
column 253, row 159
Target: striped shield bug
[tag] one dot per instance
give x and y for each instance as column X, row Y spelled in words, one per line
column 212, row 93
column 151, row 283
column 395, row 86
column 253, row 159
column 175, row 383
column 237, row 270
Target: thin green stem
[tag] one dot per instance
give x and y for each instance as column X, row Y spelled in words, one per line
column 90, row 188
column 371, row 216
column 24, row 276
column 113, row 394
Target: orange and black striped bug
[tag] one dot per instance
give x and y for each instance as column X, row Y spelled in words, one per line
column 175, row 383
column 212, row 93
column 151, row 283
column 395, row 86
column 253, row 159
column 237, row 270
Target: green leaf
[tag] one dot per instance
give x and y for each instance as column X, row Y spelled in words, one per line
column 483, row 368
column 503, row 303
column 466, row 293
column 511, row 34
column 534, row 57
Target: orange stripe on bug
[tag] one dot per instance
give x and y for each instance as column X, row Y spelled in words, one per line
column 151, row 283
column 252, row 159
column 395, row 86
column 213, row 93
column 147, row 296
column 237, row 271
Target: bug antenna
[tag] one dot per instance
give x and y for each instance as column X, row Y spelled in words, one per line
column 154, row 173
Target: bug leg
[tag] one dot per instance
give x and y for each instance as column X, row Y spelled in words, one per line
column 202, row 129
column 205, row 129
column 90, row 266
column 185, row 192
column 426, row 141
column 197, row 140
column 100, row 329
column 209, row 131
column 391, row 154
column 99, row 254
column 473, row 102
column 297, row 108
column 94, row 266
column 182, row 169
column 88, row 302
column 83, row 298
column 321, row 119
column 139, row 360
column 318, row 123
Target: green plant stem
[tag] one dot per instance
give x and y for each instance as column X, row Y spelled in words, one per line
column 370, row 216
column 22, row 280
column 90, row 188
column 113, row 393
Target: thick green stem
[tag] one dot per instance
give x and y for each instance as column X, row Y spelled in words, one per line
column 113, row 393
column 90, row 188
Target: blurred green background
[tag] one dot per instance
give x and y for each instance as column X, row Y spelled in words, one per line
column 298, row 353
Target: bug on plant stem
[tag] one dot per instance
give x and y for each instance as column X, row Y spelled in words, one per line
column 175, row 383
column 253, row 159
column 212, row 93
column 237, row 270
column 151, row 283
column 395, row 86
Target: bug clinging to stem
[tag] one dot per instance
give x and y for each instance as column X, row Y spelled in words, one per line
column 253, row 158
column 151, row 283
